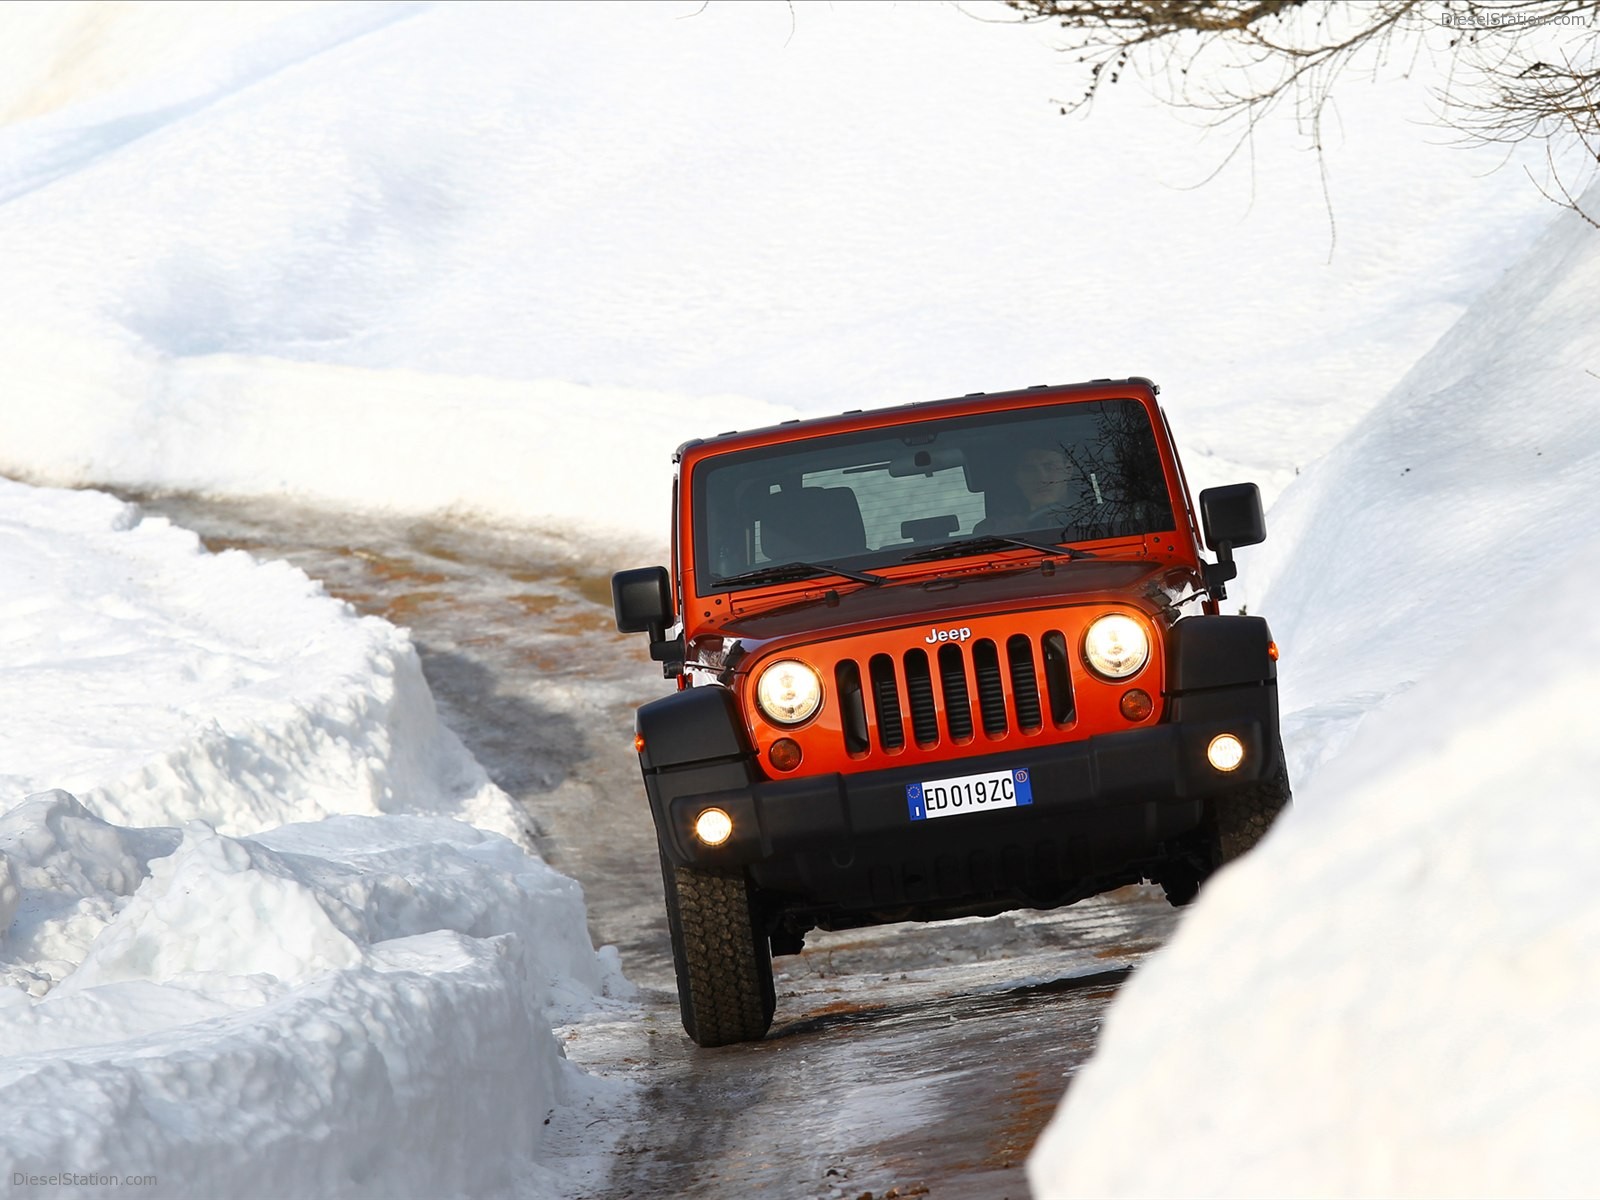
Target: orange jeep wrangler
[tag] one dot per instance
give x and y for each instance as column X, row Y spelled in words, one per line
column 942, row 660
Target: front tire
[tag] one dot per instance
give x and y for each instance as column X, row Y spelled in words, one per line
column 722, row 958
column 1232, row 826
column 1238, row 820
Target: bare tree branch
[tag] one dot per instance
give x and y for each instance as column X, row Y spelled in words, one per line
column 1234, row 61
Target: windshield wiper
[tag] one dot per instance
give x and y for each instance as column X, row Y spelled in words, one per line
column 991, row 542
column 778, row 572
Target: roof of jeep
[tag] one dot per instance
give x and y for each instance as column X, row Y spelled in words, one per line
column 797, row 428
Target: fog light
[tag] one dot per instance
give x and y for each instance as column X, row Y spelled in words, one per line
column 1136, row 704
column 1226, row 752
column 784, row 754
column 713, row 827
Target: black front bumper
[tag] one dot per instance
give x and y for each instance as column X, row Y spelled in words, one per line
column 1102, row 808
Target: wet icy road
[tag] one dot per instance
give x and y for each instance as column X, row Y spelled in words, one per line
column 904, row 1061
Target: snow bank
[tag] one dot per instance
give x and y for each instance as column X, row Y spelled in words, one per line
column 343, row 250
column 161, row 683
column 1474, row 477
column 355, row 1007
column 1394, row 994
column 242, row 960
column 237, row 425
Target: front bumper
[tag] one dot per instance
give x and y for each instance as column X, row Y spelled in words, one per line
column 1101, row 806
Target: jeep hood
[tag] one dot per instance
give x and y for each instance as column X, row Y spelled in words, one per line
column 936, row 601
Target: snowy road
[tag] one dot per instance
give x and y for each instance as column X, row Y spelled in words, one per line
column 908, row 1060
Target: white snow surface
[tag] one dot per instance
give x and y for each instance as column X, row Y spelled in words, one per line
column 1394, row 995
column 421, row 257
column 499, row 259
column 285, row 911
column 159, row 682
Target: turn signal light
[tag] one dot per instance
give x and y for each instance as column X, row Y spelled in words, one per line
column 784, row 754
column 713, row 827
column 638, row 743
column 1136, row 704
column 1272, row 651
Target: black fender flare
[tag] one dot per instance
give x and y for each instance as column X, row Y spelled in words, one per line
column 1205, row 652
column 694, row 743
column 1223, row 668
column 696, row 725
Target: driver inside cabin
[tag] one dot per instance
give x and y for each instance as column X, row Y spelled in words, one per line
column 1042, row 493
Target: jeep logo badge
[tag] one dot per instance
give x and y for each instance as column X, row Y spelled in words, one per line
column 935, row 636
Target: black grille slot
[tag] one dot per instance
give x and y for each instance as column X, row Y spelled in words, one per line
column 991, row 692
column 1005, row 676
column 1057, row 677
column 919, row 692
column 852, row 706
column 1024, row 683
column 953, row 685
column 886, row 703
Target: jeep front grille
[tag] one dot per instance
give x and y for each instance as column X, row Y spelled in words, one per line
column 937, row 691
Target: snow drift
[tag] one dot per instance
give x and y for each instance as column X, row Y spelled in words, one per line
column 250, row 957
column 356, row 1007
column 419, row 257
column 161, row 683
column 1392, row 995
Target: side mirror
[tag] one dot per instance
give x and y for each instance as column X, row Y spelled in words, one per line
column 1229, row 516
column 642, row 601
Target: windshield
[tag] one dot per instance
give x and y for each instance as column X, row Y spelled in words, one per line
column 1065, row 473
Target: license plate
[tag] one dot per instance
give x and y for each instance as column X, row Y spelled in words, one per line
column 969, row 794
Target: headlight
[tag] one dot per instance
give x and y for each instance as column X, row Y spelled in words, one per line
column 1116, row 646
column 789, row 691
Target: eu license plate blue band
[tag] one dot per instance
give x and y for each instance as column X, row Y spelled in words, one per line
column 963, row 794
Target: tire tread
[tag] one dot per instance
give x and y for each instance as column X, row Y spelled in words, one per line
column 724, row 964
column 1241, row 819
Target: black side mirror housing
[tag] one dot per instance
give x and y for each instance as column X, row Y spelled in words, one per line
column 1230, row 516
column 641, row 598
